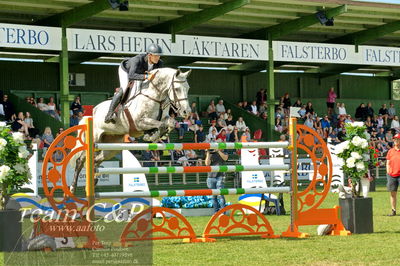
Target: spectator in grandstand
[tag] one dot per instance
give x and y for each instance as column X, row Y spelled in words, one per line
column 240, row 124
column 326, row 126
column 42, row 106
column 230, row 121
column 211, row 111
column 194, row 121
column 31, row 128
column 333, row 137
column 370, row 111
column 391, row 111
column 189, row 157
column 389, row 138
column 263, row 108
column 222, row 135
column 240, row 105
column 194, row 113
column 19, row 125
column 212, row 136
column 261, row 96
column 395, row 123
column 2, row 113
column 216, row 180
column 76, row 105
column 381, row 135
column 384, row 112
column 220, row 108
column 340, row 122
column 200, row 135
column 8, row 107
column 393, row 172
column 381, row 121
column 52, row 109
column 31, row 101
column 330, row 100
column 309, row 109
column 246, row 106
column 278, row 124
column 302, row 112
column 228, row 113
column 147, row 157
column 234, row 135
column 286, row 103
column 254, row 108
column 342, row 134
column 74, row 120
column 279, row 114
column 382, row 147
column 221, row 123
column 349, row 119
column 361, row 112
column 309, row 121
column 213, row 126
column 298, row 103
column 183, row 127
column 229, row 133
column 341, row 109
column 47, row 137
column 247, row 134
column 368, row 124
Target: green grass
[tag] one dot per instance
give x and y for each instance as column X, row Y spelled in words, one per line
column 378, row 248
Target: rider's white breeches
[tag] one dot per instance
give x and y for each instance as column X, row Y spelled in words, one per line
column 123, row 79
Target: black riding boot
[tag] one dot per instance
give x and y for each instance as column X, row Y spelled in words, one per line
column 114, row 103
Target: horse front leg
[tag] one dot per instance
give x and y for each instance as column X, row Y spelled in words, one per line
column 79, row 164
column 146, row 124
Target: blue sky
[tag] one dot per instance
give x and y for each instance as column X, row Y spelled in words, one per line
column 382, row 1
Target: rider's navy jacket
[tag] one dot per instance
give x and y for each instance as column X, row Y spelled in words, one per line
column 137, row 66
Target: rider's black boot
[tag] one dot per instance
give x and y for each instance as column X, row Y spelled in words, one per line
column 114, row 103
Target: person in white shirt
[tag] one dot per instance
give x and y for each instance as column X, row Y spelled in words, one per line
column 254, row 108
column 212, row 136
column 395, row 123
column 342, row 109
column 220, row 108
column 240, row 124
column 42, row 106
column 213, row 126
column 2, row 113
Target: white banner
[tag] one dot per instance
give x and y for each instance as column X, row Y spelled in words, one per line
column 132, row 182
column 100, row 41
column 30, row 37
column 335, row 53
column 124, row 42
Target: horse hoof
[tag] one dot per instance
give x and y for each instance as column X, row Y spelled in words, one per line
column 147, row 137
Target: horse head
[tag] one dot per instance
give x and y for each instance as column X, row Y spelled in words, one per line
column 178, row 93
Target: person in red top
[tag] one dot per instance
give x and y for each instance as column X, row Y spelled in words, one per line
column 393, row 172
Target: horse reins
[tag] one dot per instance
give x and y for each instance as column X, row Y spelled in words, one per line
column 175, row 101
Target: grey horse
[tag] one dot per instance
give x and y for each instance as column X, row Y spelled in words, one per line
column 148, row 107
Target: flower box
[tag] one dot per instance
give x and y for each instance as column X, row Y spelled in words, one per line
column 10, row 231
column 357, row 215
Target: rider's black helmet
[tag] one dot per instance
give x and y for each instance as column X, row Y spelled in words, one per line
column 154, row 49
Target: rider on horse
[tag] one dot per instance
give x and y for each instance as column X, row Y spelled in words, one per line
column 135, row 68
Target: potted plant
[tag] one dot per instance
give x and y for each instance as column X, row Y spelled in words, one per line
column 14, row 173
column 357, row 157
